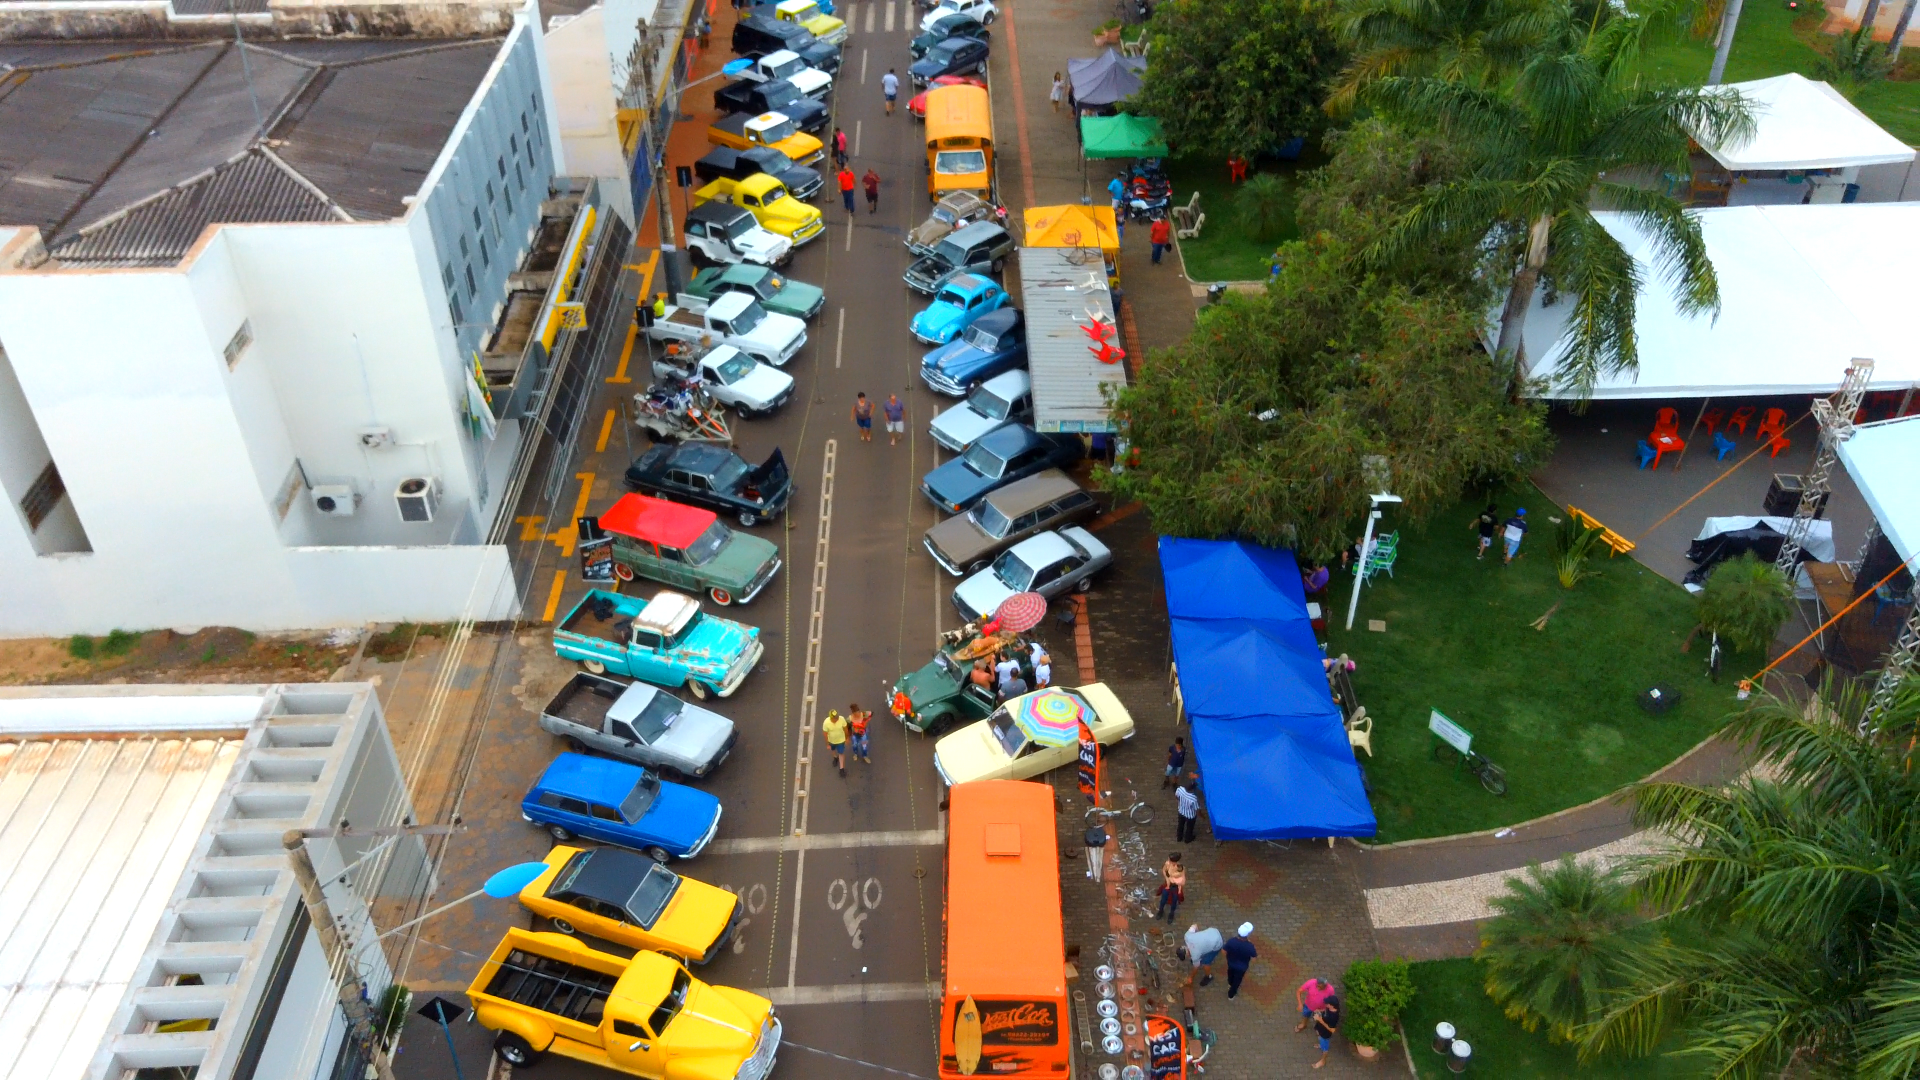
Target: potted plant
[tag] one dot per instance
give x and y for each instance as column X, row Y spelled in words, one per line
column 1374, row 995
column 1108, row 33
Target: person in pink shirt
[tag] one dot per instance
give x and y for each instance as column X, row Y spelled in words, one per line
column 1311, row 996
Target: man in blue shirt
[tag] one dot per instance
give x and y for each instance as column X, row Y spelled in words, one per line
column 1240, row 953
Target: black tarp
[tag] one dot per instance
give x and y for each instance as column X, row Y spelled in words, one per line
column 1718, row 548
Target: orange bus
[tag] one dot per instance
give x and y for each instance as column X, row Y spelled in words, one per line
column 1004, row 970
column 959, row 141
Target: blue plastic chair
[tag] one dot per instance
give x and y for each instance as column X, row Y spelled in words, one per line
column 1722, row 446
column 1646, row 453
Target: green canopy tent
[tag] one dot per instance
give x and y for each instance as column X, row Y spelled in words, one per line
column 1122, row 136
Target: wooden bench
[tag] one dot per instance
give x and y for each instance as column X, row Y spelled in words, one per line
column 1620, row 545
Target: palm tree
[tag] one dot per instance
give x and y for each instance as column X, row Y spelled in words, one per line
column 1556, row 945
column 1470, row 41
column 1789, row 922
column 1746, row 601
column 1569, row 131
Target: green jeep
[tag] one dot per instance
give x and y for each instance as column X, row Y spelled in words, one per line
column 775, row 290
column 687, row 547
column 939, row 695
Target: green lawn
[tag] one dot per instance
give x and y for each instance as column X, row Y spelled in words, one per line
column 1773, row 40
column 1224, row 251
column 1555, row 708
column 1453, row 990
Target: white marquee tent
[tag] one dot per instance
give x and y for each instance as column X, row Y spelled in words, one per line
column 1881, row 459
column 1803, row 124
column 1803, row 290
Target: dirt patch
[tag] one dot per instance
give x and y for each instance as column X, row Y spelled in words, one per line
column 396, row 643
column 216, row 654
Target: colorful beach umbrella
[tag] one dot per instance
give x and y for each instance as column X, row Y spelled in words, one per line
column 1051, row 717
column 1021, row 611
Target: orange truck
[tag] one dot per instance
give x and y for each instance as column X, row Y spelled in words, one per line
column 1004, row 1011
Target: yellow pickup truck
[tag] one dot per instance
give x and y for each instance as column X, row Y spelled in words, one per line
column 767, row 200
column 739, row 131
column 807, row 15
column 549, row 994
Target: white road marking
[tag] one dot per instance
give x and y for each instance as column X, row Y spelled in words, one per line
column 840, row 995
column 863, row 52
column 889, row 16
column 810, row 690
column 870, row 18
column 840, row 338
column 849, row 246
column 856, row 138
column 754, row 845
column 852, row 13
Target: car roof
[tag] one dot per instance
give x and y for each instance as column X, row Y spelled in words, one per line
column 1043, row 550
column 999, row 320
column 646, row 518
column 609, row 875
column 780, row 56
column 1010, row 384
column 1009, row 438
column 974, row 232
column 1034, row 491
column 726, row 307
column 718, row 213
column 768, row 119
column 699, row 457
column 580, row 774
column 967, row 282
column 668, row 612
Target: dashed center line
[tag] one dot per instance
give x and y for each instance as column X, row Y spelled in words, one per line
column 840, row 337
column 856, row 136
column 810, row 693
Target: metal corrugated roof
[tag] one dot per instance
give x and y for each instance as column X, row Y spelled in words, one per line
column 1063, row 290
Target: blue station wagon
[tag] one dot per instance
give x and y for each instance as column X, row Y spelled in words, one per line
column 958, row 303
column 995, row 460
column 995, row 344
column 621, row 804
column 667, row 640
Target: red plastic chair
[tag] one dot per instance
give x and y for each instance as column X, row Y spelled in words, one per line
column 1236, row 169
column 1670, row 444
column 1773, row 423
column 1779, row 443
column 1739, row 418
column 1711, row 419
column 1667, row 420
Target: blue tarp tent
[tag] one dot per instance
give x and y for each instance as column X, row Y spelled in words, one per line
column 1266, row 731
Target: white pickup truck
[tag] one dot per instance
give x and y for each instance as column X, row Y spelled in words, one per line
column 786, row 64
column 733, row 378
column 734, row 319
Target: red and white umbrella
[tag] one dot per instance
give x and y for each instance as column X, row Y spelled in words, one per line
column 1021, row 612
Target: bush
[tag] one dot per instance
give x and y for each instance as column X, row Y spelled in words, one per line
column 1745, row 601
column 1556, row 947
column 80, row 647
column 1572, row 547
column 1377, row 991
column 1264, row 206
column 119, row 643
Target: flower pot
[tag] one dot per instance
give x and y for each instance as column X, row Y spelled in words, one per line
column 1367, row 1053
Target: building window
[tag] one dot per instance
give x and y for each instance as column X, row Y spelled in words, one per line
column 484, row 261
column 513, row 143
column 490, row 189
column 42, row 496
column 502, row 162
column 473, row 291
column 476, row 219
column 453, row 306
column 519, row 178
column 507, row 194
column 523, row 122
column 446, row 276
column 464, row 253
column 238, row 343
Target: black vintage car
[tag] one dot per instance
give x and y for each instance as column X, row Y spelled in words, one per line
column 758, row 35
column 954, row 25
column 778, row 96
column 716, row 478
column 952, row 56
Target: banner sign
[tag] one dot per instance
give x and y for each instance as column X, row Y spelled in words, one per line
column 595, row 548
column 1450, row 733
column 1166, row 1048
column 1089, row 767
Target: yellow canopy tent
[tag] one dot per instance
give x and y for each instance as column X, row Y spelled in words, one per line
column 1073, row 226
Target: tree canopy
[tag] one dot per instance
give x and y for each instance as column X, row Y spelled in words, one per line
column 1238, row 76
column 1260, row 425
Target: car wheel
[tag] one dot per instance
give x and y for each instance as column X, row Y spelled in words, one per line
column 594, row 666
column 658, row 854
column 515, row 1050
column 748, row 520
column 698, row 689
column 1083, row 584
column 980, row 68
column 669, row 773
column 560, row 833
column 564, row 926
column 999, row 264
column 623, row 571
column 720, row 596
column 976, row 566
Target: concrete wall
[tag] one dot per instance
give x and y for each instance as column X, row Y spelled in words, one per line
column 29, row 20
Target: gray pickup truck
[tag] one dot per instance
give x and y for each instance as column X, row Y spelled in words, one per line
column 639, row 723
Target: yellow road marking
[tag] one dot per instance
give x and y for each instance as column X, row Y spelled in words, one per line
column 553, row 595
column 626, row 354
column 567, row 535
column 530, row 527
column 606, row 429
column 646, row 270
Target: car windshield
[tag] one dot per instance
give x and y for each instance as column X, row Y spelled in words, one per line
column 670, row 1005
column 985, row 462
column 708, row 545
column 1006, row 732
column 943, row 215
column 658, row 716
column 952, row 296
column 960, row 162
column 769, row 285
column 738, row 227
column 729, row 473
column 650, row 897
column 748, row 318
column 780, row 132
column 737, row 367
column 947, row 667
column 634, row 806
column 982, row 338
column 780, row 92
column 989, row 518
column 951, row 253
column 942, row 51
column 989, row 404
column 787, row 69
column 1013, row 573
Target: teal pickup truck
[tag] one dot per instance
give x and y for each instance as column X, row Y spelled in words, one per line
column 667, row 640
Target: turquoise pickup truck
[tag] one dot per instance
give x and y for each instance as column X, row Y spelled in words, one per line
column 667, row 640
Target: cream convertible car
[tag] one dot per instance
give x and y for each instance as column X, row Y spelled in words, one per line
column 1003, row 747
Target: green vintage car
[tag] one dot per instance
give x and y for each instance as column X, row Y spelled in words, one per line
column 939, row 694
column 775, row 290
column 687, row 547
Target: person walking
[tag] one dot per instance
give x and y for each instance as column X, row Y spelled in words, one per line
column 1186, row 820
column 845, row 177
column 834, row 727
column 1059, row 91
column 1176, row 760
column 1203, row 948
column 1173, row 887
column 1310, row 995
column 895, row 409
column 857, row 721
column 890, row 86
column 1160, row 235
column 840, row 148
column 1486, row 523
column 1117, row 191
column 1096, row 840
column 863, row 415
column 1516, row 527
column 1326, row 1023
column 1240, row 954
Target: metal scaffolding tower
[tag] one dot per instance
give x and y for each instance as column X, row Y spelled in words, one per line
column 1835, row 417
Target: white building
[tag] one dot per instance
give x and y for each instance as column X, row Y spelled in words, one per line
column 244, row 304
column 149, row 918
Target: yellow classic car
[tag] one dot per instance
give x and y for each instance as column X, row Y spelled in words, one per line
column 1005, row 746
column 767, row 200
column 626, row 898
column 807, row 13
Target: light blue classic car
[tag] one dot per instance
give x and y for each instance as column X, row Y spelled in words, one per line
column 958, row 303
column 667, row 640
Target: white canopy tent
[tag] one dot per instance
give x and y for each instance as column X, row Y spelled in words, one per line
column 1803, row 290
column 1882, row 459
column 1803, row 124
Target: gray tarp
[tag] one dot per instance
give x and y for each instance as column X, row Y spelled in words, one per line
column 1105, row 79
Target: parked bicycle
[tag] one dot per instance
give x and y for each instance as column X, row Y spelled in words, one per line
column 1491, row 776
column 1137, row 811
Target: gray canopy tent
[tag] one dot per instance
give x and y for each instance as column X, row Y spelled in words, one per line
column 1104, row 80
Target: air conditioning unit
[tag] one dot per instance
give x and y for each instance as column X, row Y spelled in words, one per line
column 337, row 500
column 419, row 497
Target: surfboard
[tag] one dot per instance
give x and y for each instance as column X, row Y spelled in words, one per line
column 966, row 1037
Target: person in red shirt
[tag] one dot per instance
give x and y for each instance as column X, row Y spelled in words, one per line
column 846, row 187
column 1161, row 234
column 872, row 182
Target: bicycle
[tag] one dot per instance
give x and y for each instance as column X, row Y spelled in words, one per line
column 1491, row 776
column 1137, row 812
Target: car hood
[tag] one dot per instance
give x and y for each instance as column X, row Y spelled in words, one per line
column 742, row 559
column 764, row 386
column 811, row 81
column 772, row 479
column 962, row 424
column 776, row 331
column 960, row 540
column 799, row 297
column 791, row 209
column 763, row 246
column 696, row 915
column 939, row 322
column 696, row 735
column 715, row 1022
column 955, row 355
column 801, row 181
column 926, row 685
column 972, row 753
column 928, row 269
column 679, row 816
column 713, row 644
column 956, row 483
column 927, row 67
column 929, row 232
column 982, row 593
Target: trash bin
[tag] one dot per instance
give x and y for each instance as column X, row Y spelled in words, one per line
column 1215, row 291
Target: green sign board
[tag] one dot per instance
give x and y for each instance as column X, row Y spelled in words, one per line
column 1450, row 733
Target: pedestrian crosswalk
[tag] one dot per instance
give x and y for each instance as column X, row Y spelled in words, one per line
column 861, row 16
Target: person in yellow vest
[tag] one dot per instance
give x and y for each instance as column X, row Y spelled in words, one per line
column 834, row 727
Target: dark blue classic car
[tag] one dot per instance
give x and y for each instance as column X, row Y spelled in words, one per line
column 996, row 343
column 716, row 478
column 995, row 460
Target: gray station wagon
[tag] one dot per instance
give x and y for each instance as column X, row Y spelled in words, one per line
column 968, row 542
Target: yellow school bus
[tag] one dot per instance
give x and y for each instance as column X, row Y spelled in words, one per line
column 959, row 141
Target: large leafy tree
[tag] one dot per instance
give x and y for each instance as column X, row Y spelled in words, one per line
column 1238, row 76
column 1262, row 423
column 1572, row 131
column 1469, row 41
column 1790, row 924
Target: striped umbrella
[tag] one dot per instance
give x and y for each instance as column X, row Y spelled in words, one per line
column 1021, row 611
column 1050, row 717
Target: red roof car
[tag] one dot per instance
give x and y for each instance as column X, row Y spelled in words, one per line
column 687, row 547
column 918, row 106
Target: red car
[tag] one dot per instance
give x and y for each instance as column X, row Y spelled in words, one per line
column 918, row 106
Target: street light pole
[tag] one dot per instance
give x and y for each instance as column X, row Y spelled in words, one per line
column 1366, row 542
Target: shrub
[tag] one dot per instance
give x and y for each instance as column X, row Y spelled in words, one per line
column 1264, row 206
column 1377, row 992
column 1745, row 601
column 1556, row 947
column 1853, row 62
column 1572, row 547
column 119, row 643
column 80, row 647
